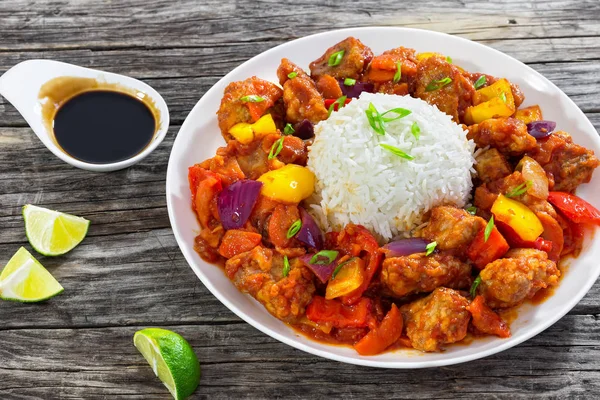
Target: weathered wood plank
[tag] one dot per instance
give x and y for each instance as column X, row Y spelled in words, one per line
column 241, row 362
column 119, row 280
column 163, row 23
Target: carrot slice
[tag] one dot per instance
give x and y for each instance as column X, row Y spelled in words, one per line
column 236, row 242
column 382, row 337
column 482, row 252
column 385, row 62
column 379, row 75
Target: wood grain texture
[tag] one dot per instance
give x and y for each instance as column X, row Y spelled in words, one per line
column 240, row 362
column 129, row 273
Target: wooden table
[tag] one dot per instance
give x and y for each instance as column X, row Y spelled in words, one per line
column 129, row 273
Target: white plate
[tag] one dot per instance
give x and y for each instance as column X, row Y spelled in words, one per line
column 199, row 137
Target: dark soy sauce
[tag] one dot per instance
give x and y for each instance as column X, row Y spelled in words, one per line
column 103, row 126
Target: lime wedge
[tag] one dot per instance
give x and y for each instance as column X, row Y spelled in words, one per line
column 172, row 359
column 53, row 233
column 25, row 279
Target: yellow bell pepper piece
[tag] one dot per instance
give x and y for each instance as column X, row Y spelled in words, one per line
column 246, row 133
column 349, row 277
column 493, row 108
column 264, row 125
column 425, row 55
column 242, row 132
column 492, row 101
column 500, row 88
column 529, row 114
column 289, row 184
column 519, row 217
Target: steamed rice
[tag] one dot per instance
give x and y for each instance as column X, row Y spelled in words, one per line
column 359, row 182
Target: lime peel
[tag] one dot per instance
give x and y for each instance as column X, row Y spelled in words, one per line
column 172, row 359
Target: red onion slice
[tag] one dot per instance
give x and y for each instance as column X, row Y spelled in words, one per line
column 304, row 130
column 310, row 234
column 322, row 271
column 405, row 247
column 235, row 203
column 541, row 129
column 355, row 90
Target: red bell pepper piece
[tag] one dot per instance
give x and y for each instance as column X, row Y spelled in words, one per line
column 329, row 102
column 573, row 236
column 544, row 245
column 356, row 240
column 515, row 240
column 321, row 310
column 195, row 175
column 483, row 252
column 574, row 208
column 486, row 320
column 204, row 185
column 382, row 337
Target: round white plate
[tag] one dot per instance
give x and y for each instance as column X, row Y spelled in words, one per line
column 199, row 138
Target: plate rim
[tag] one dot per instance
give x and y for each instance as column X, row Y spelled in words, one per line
column 366, row 361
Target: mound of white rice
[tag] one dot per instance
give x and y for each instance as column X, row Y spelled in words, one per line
column 360, row 182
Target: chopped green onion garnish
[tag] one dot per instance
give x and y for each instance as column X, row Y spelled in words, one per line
column 503, row 96
column 286, row 266
column 400, row 113
column 435, row 85
column 252, row 99
column 480, row 82
column 337, row 269
column 375, row 119
column 472, row 210
column 430, row 248
column 474, row 286
column 276, row 148
column 488, row 229
column 330, row 256
column 292, row 74
column 415, row 130
column 449, row 59
column 289, row 129
column 519, row 190
column 336, row 58
column 396, row 151
column 341, row 102
column 295, row 228
column 349, row 82
column 398, row 73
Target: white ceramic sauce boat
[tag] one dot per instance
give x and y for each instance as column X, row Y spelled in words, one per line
column 21, row 85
